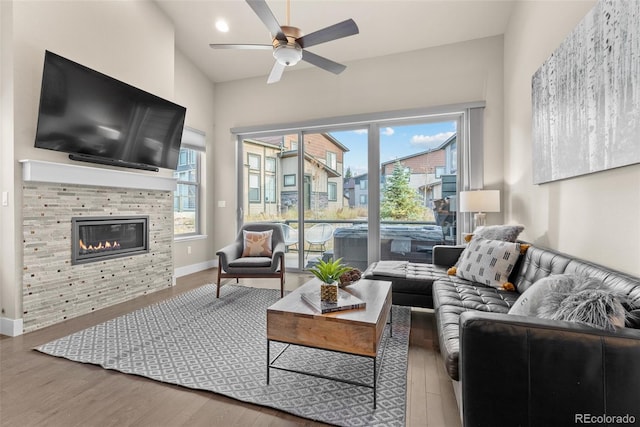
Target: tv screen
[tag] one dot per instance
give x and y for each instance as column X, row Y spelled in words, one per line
column 94, row 117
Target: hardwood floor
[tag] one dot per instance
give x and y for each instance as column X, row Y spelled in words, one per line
column 40, row 390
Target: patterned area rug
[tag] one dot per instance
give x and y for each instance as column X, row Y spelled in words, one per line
column 197, row 341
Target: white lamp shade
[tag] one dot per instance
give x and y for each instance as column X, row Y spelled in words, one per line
column 480, row 201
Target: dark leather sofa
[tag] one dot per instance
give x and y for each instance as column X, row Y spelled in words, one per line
column 512, row 370
column 526, row 371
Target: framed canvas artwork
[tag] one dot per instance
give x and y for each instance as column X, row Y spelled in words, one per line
column 586, row 97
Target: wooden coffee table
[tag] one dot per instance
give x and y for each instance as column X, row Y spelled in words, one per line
column 358, row 332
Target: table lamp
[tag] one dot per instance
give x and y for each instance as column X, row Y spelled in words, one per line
column 480, row 201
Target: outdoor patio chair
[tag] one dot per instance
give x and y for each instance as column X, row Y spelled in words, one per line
column 232, row 263
column 318, row 235
column 290, row 236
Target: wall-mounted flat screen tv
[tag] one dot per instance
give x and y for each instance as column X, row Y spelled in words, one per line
column 99, row 119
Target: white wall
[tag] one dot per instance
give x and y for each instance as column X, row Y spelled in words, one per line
column 462, row 72
column 194, row 91
column 594, row 217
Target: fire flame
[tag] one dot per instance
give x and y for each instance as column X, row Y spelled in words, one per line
column 99, row 247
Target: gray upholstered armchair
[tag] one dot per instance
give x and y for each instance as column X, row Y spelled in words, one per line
column 231, row 263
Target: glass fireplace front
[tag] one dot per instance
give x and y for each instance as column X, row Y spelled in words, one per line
column 99, row 238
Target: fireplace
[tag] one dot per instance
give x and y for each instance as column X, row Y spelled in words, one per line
column 100, row 238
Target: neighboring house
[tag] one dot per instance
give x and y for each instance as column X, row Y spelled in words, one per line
column 262, row 175
column 349, row 192
column 355, row 189
column 428, row 169
column 271, row 174
column 361, row 188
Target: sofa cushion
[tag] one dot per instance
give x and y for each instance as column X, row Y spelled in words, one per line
column 507, row 233
column 553, row 286
column 472, row 296
column 251, row 262
column 452, row 297
column 600, row 308
column 530, row 300
column 489, row 262
column 257, row 243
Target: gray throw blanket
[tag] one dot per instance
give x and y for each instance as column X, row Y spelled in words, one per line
column 390, row 268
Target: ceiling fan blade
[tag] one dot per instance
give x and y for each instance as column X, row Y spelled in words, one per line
column 333, row 32
column 241, row 46
column 268, row 19
column 276, row 73
column 322, row 62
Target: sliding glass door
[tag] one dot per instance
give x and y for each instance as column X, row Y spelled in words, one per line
column 335, row 217
column 418, row 192
column 270, row 187
column 381, row 189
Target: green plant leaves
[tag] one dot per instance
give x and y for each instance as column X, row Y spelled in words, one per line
column 329, row 271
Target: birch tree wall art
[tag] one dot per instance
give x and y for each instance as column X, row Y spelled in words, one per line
column 586, row 96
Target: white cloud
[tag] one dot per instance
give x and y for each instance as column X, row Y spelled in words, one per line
column 360, row 131
column 431, row 141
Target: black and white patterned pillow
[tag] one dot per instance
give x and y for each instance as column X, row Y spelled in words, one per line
column 488, row 262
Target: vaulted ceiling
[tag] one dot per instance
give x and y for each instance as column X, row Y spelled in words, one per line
column 386, row 27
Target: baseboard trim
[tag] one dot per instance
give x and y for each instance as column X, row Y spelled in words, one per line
column 11, row 327
column 194, row 268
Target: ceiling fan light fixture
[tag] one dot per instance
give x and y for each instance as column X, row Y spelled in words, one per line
column 287, row 54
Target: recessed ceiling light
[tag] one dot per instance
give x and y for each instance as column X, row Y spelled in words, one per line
column 222, row 26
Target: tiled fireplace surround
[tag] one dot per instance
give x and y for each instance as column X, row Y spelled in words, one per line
column 55, row 290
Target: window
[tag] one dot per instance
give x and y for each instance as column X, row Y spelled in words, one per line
column 294, row 145
column 332, row 191
column 270, row 189
column 254, row 187
column 332, row 160
column 368, row 142
column 439, row 171
column 254, row 161
column 270, row 164
column 185, row 198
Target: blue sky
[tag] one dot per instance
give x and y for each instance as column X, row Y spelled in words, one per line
column 395, row 142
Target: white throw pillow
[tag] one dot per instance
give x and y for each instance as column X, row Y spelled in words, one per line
column 488, row 262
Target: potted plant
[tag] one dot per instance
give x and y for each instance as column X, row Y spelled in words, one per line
column 329, row 273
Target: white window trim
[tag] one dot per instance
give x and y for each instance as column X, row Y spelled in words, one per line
column 198, row 191
column 195, row 139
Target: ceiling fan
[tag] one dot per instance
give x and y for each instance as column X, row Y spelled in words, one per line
column 289, row 44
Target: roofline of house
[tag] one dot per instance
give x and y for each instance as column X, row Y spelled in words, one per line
column 438, row 148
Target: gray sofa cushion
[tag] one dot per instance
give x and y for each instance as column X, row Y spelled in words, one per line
column 508, row 233
column 531, row 300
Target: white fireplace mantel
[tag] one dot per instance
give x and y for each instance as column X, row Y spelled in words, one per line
column 62, row 173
